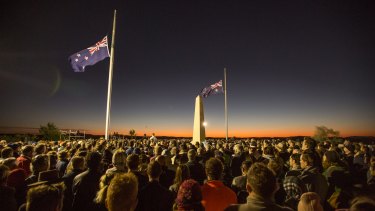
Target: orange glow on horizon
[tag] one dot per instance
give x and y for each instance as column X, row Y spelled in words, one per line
column 240, row 134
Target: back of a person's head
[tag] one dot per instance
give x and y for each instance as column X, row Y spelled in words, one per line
column 27, row 150
column 189, row 196
column 122, row 193
column 308, row 157
column 78, row 162
column 192, row 153
column 214, row 168
column 310, row 143
column 269, row 150
column 10, row 163
column 119, row 158
column 45, row 197
column 276, row 166
column 154, row 170
column 93, row 160
column 40, row 149
column 39, row 163
column 132, row 161
column 261, row 180
column 6, row 152
column 362, row 203
column 182, row 173
column 310, row 201
column 246, row 164
column 62, row 155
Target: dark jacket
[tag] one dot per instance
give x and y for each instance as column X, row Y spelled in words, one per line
column 196, row 171
column 68, row 194
column 61, row 167
column 85, row 186
column 257, row 203
column 154, row 197
column 314, row 182
column 7, row 198
column 235, row 164
column 166, row 177
column 142, row 180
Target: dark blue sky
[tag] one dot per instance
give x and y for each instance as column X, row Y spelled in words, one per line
column 292, row 65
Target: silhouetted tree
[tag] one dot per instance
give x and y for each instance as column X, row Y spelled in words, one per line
column 49, row 132
column 132, row 133
column 323, row 133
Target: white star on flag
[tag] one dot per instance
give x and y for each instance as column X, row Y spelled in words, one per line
column 78, row 55
column 76, row 60
column 86, row 57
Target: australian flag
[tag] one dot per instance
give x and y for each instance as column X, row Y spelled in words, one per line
column 90, row 56
column 215, row 88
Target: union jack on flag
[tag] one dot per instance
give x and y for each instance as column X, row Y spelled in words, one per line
column 215, row 88
column 90, row 56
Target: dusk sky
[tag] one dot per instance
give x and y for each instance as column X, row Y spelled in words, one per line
column 292, row 65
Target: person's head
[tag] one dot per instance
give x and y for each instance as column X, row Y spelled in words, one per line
column 245, row 166
column 307, row 159
column 276, row 165
column 10, row 163
column 52, row 159
column 132, row 161
column 154, row 170
column 310, row 201
column 294, row 160
column 253, row 148
column 269, row 150
column 192, row 154
column 7, row 152
column 78, row 163
column 158, row 150
column 238, row 149
column 362, row 204
column 261, row 181
column 330, row 158
column 349, row 149
column 93, row 160
column 189, row 196
column 182, row 173
column 214, row 169
column 45, row 197
column 119, row 159
column 62, row 155
column 161, row 159
column 39, row 163
column 122, row 193
column 308, row 143
column 4, row 172
column 40, row 149
column 28, row 151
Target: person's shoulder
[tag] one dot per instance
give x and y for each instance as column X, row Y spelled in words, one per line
column 233, row 207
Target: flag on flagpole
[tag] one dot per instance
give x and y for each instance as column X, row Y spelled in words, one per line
column 215, row 88
column 90, row 56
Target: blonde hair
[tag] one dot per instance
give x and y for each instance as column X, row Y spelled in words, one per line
column 122, row 192
column 119, row 158
column 310, row 201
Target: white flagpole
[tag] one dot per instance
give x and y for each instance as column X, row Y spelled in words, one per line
column 112, row 57
column 226, row 104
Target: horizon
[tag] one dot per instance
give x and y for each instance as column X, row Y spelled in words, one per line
column 221, row 134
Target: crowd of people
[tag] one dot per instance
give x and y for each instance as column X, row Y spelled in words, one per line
column 164, row 175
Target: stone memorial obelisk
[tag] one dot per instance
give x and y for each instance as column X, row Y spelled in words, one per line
column 199, row 133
